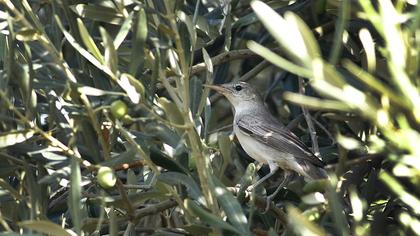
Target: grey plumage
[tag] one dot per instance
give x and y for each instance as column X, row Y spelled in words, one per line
column 264, row 138
column 263, row 128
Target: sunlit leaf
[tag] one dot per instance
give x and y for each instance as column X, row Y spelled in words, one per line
column 26, row 35
column 301, row 225
column 207, row 217
column 111, row 57
column 99, row 13
column 231, row 207
column 75, row 195
column 13, row 137
column 46, row 227
column 138, row 43
column 174, row 178
column 88, row 41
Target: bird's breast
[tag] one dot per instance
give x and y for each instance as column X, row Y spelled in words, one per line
column 251, row 147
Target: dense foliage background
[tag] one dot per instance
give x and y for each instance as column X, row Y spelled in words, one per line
column 105, row 127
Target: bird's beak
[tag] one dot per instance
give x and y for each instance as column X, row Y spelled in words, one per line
column 218, row 88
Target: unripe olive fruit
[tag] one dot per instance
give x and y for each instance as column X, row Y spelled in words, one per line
column 119, row 109
column 106, row 177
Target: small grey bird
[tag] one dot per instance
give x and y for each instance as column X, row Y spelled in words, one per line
column 267, row 140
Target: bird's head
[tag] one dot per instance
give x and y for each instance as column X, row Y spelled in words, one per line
column 238, row 93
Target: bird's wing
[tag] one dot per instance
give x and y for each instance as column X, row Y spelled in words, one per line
column 278, row 137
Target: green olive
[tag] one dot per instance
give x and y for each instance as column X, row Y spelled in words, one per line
column 106, row 177
column 119, row 109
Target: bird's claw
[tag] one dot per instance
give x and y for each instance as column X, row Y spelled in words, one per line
column 267, row 204
column 250, row 188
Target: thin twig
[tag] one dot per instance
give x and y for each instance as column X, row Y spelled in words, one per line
column 221, row 128
column 149, row 210
column 325, row 130
column 154, row 209
column 356, row 161
column 196, row 144
column 223, row 58
column 126, row 200
column 295, row 122
column 254, row 71
column 136, row 146
column 311, row 128
column 226, row 57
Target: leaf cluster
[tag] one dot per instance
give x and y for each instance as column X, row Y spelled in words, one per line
column 106, row 128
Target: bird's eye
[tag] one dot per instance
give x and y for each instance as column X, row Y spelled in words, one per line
column 238, row 88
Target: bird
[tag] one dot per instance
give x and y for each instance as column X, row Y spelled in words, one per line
column 266, row 139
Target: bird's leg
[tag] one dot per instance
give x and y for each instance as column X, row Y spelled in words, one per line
column 286, row 178
column 273, row 169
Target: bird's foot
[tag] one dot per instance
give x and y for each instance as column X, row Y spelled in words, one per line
column 268, row 201
column 250, row 188
column 270, row 198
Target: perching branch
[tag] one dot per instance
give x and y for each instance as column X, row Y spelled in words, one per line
column 311, row 128
column 226, row 57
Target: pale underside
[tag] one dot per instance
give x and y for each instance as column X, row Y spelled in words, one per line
column 273, row 144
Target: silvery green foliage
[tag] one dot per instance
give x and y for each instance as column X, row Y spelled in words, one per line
column 168, row 140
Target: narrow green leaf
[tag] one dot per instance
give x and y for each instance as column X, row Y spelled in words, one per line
column 375, row 84
column 81, row 50
column 278, row 60
column 113, row 223
column 138, row 42
column 75, row 196
column 171, row 110
column 27, row 35
column 13, row 137
column 175, row 178
column 306, row 34
column 161, row 159
column 225, row 146
column 341, row 24
column 122, row 158
column 292, row 41
column 124, row 30
column 46, row 227
column 336, row 207
column 196, row 91
column 111, row 57
column 137, row 198
column 316, row 103
column 245, row 20
column 91, row 91
column 191, row 29
column 301, row 225
column 208, row 217
column 231, row 207
column 98, row 13
column 88, row 41
column 209, row 80
column 369, row 50
column 408, row 198
column 134, row 88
